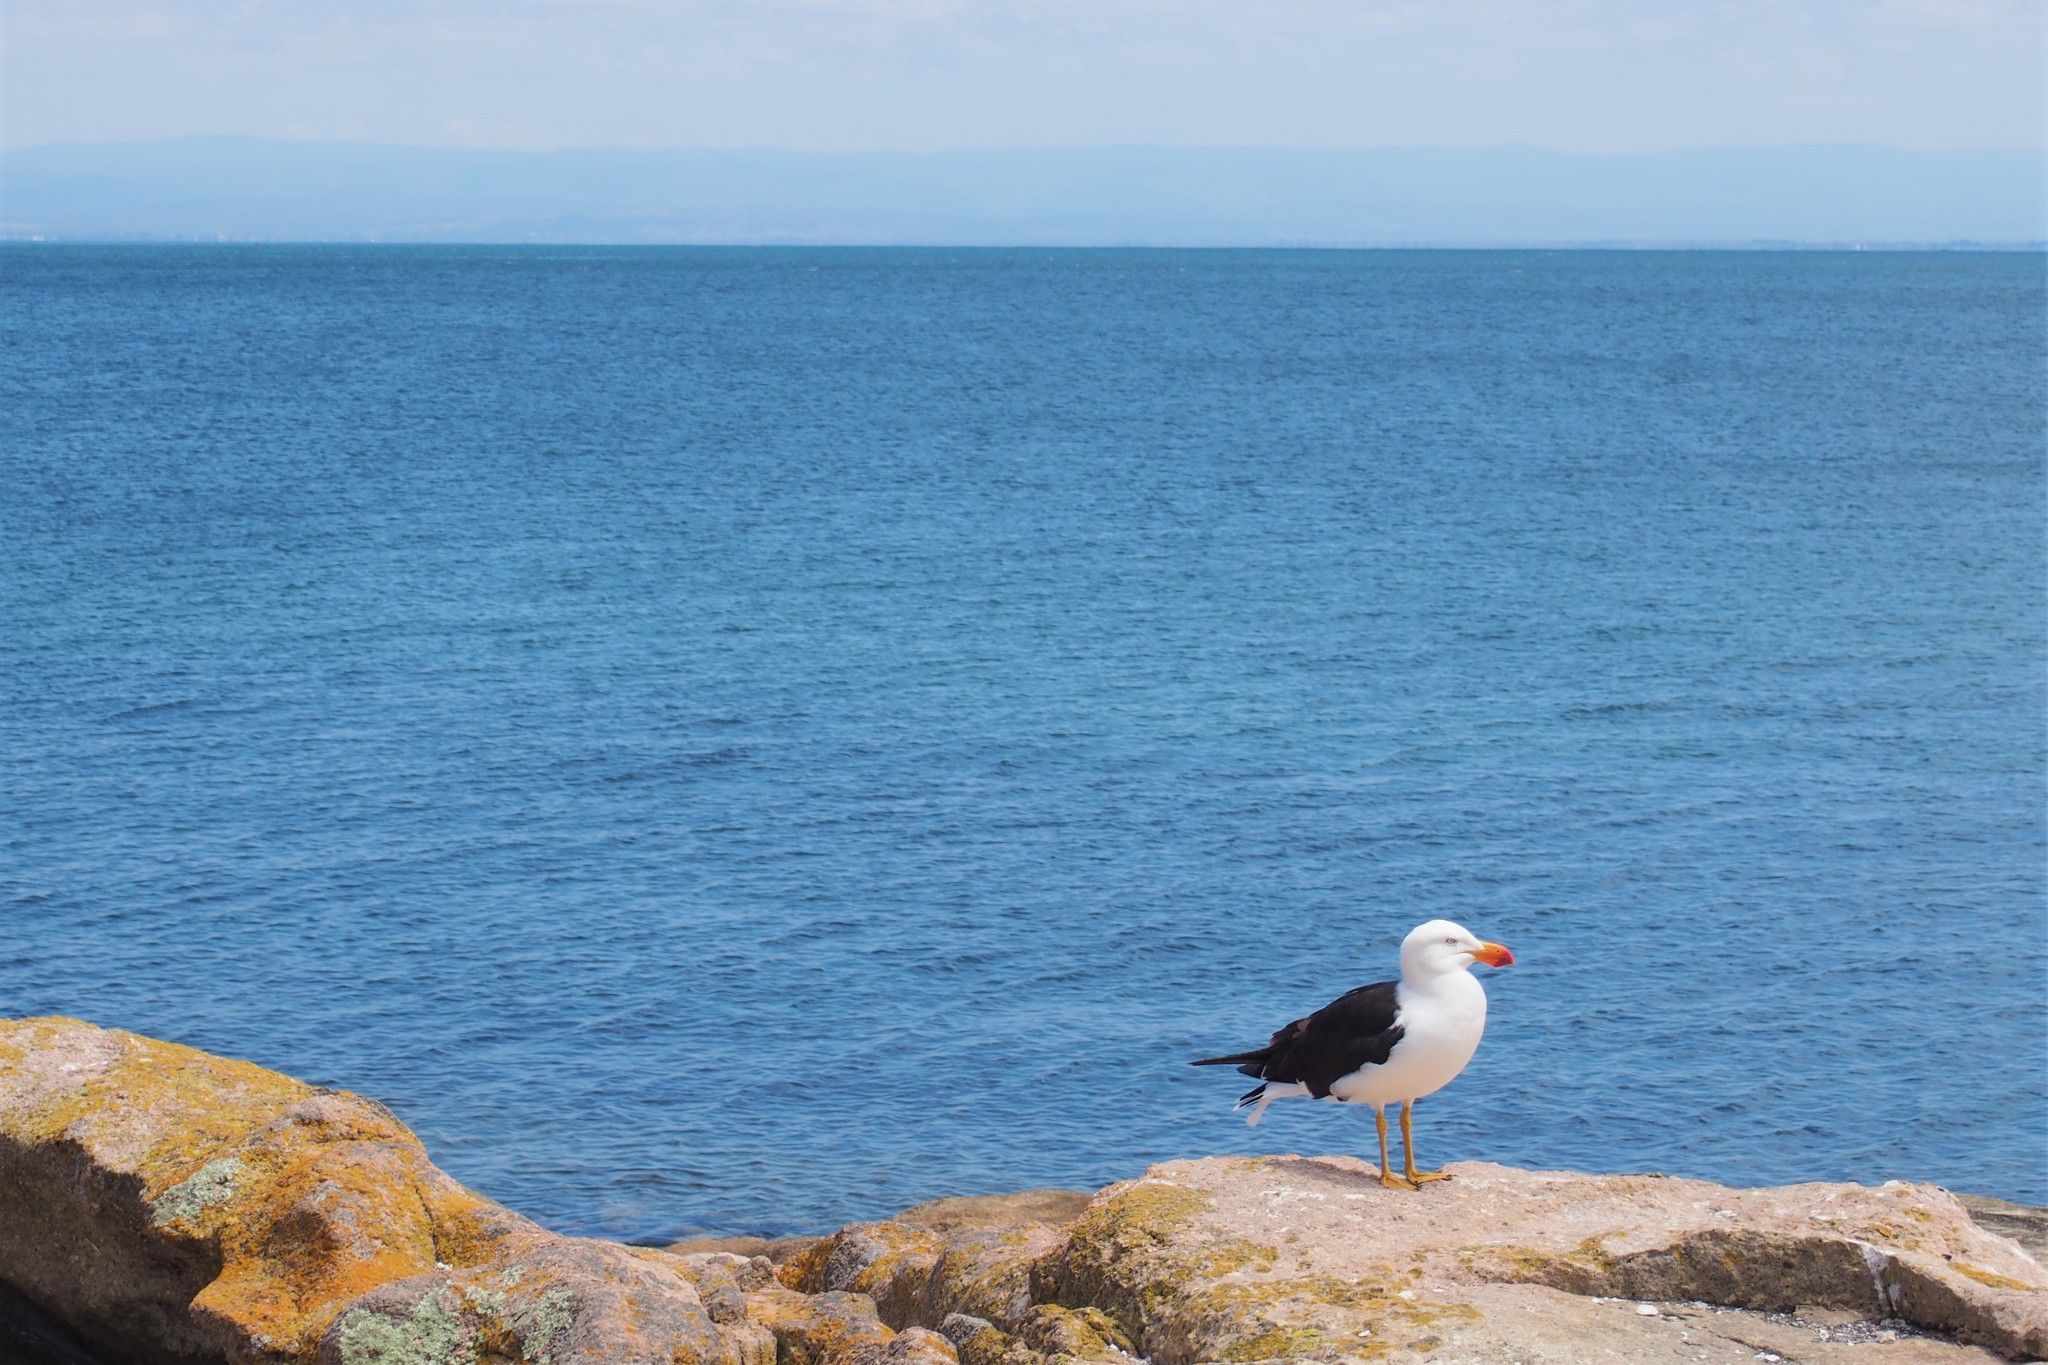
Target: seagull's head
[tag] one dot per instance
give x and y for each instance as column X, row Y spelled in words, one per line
column 1440, row 947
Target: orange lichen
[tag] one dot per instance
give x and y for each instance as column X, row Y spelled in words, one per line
column 1990, row 1278
column 805, row 1271
column 811, row 1329
column 308, row 1197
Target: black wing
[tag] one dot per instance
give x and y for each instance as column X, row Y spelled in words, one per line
column 1354, row 1030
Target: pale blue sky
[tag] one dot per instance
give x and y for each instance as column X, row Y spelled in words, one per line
column 1579, row 75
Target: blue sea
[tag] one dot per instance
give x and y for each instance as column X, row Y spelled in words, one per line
column 744, row 740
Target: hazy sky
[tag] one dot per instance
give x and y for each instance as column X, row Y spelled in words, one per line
column 1581, row 75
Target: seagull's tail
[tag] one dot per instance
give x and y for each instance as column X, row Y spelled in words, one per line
column 1251, row 1063
column 1259, row 1096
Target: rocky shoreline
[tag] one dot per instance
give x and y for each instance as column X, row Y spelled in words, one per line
column 162, row 1206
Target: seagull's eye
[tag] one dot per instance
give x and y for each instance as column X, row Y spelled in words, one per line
column 1453, row 942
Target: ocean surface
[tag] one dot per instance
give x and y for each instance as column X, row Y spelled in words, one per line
column 743, row 740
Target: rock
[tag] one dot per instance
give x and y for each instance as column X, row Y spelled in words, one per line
column 159, row 1206
column 916, row 1346
column 717, row 1275
column 977, row 1340
column 2027, row 1226
column 560, row 1300
column 966, row 1266
column 970, row 1256
column 28, row 1336
column 1080, row 1333
column 1293, row 1258
column 1284, row 1257
column 890, row 1263
column 776, row 1249
column 163, row 1205
column 966, row 1213
column 836, row 1328
column 723, row 1282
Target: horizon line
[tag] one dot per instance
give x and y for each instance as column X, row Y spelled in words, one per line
column 1751, row 246
column 2036, row 151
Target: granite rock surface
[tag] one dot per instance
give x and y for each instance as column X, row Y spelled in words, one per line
column 159, row 1205
column 162, row 1206
column 1310, row 1258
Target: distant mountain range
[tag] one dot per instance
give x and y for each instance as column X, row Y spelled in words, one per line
column 210, row 188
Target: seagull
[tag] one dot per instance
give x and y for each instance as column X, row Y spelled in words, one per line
column 1388, row 1042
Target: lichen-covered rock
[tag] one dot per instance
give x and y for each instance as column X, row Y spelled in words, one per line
column 888, row 1262
column 171, row 1205
column 562, row 1300
column 949, row 1218
column 919, row 1346
column 1076, row 1333
column 976, row 1340
column 973, row 1256
column 168, row 1206
column 835, row 1328
column 1287, row 1257
column 722, row 1280
column 2027, row 1226
column 159, row 1206
column 777, row 1249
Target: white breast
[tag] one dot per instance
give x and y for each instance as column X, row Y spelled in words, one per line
column 1440, row 1030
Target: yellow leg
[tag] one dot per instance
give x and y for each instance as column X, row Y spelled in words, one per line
column 1416, row 1178
column 1387, row 1176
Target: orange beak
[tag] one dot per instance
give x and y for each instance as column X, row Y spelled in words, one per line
column 1495, row 955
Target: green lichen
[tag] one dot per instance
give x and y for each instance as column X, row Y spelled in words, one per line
column 1227, row 1255
column 985, row 1345
column 1151, row 1210
column 1588, row 1268
column 1277, row 1319
column 1158, row 1298
column 521, row 1329
column 895, row 1278
column 1079, row 1333
column 1278, row 1343
column 1141, row 1257
column 213, row 1183
column 430, row 1335
column 540, row 1321
column 1238, row 1298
